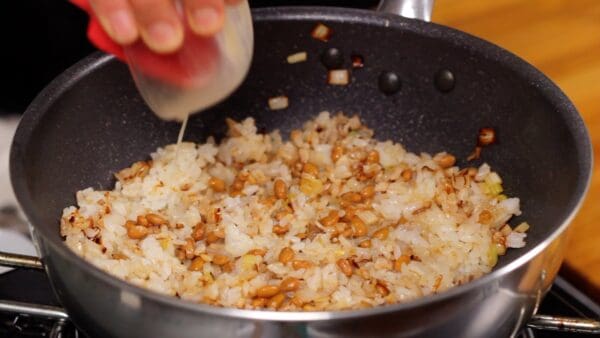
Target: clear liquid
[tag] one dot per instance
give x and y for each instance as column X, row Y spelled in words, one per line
column 180, row 136
column 182, row 130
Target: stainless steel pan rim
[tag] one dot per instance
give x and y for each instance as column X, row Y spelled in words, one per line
column 483, row 48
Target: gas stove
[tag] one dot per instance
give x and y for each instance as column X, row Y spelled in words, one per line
column 33, row 287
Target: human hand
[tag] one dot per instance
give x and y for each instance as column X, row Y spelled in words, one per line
column 157, row 22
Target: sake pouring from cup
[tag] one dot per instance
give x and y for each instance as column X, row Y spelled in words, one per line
column 204, row 71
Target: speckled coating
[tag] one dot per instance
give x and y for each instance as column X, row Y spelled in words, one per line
column 91, row 121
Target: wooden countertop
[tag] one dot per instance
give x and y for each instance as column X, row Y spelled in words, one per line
column 561, row 38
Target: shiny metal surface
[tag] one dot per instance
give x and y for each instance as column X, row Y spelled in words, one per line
column 20, row 261
column 58, row 330
column 414, row 9
column 33, row 309
column 555, row 323
column 493, row 308
column 538, row 321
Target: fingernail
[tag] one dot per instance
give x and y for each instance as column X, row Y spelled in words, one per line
column 206, row 20
column 122, row 26
column 163, row 36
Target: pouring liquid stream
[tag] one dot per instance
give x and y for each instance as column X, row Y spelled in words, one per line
column 203, row 72
column 181, row 133
column 182, row 130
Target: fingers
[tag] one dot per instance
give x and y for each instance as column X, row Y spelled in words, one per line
column 116, row 19
column 159, row 24
column 205, row 17
column 157, row 21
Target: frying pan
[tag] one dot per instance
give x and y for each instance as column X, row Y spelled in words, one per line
column 90, row 122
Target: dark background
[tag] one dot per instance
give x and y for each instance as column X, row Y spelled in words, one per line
column 41, row 38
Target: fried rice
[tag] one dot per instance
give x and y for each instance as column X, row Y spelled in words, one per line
column 330, row 219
